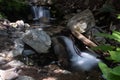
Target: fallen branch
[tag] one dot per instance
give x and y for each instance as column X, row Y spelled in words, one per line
column 88, row 42
column 85, row 40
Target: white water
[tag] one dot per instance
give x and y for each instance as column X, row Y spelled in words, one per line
column 83, row 62
column 40, row 12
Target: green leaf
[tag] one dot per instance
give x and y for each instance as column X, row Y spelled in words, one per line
column 116, row 70
column 106, row 35
column 104, row 68
column 115, row 35
column 118, row 17
column 116, row 32
column 104, row 47
column 113, row 77
column 115, row 55
column 117, row 49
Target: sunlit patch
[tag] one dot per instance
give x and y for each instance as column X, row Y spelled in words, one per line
column 50, row 78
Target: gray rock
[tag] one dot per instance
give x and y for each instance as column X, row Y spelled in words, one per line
column 15, row 63
column 9, row 74
column 3, row 33
column 28, row 52
column 18, row 47
column 24, row 78
column 81, row 21
column 2, row 61
column 17, row 34
column 20, row 23
column 39, row 40
column 41, row 2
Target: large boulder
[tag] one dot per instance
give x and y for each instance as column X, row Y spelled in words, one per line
column 82, row 21
column 39, row 40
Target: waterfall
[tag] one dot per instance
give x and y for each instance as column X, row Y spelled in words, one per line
column 34, row 12
column 41, row 14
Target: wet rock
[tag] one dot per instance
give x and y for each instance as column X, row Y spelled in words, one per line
column 17, row 34
column 15, row 63
column 13, row 25
column 28, row 52
column 26, row 25
column 3, row 33
column 9, row 74
column 19, row 25
column 81, row 22
column 25, row 78
column 18, row 48
column 2, row 61
column 41, row 2
column 4, row 21
column 38, row 40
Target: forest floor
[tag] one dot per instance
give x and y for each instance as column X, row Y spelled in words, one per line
column 51, row 71
column 107, row 21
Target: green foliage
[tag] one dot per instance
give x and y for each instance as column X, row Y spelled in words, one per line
column 115, row 55
column 108, row 72
column 115, row 35
column 107, row 8
column 104, row 48
column 12, row 4
column 2, row 16
column 13, row 8
column 118, row 17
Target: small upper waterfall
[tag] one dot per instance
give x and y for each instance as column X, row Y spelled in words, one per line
column 44, row 14
column 34, row 12
column 41, row 15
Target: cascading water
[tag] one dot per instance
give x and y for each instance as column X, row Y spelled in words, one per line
column 41, row 15
column 34, row 12
column 44, row 14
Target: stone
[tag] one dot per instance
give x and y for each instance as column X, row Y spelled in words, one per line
column 25, row 78
column 28, row 52
column 18, row 48
column 41, row 2
column 3, row 33
column 39, row 40
column 15, row 63
column 9, row 74
column 20, row 23
column 27, row 25
column 82, row 21
column 2, row 61
column 13, row 24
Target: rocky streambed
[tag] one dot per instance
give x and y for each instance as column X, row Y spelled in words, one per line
column 27, row 51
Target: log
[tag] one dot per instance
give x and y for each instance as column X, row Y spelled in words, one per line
column 85, row 40
column 89, row 43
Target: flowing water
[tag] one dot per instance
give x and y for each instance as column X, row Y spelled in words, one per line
column 41, row 15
